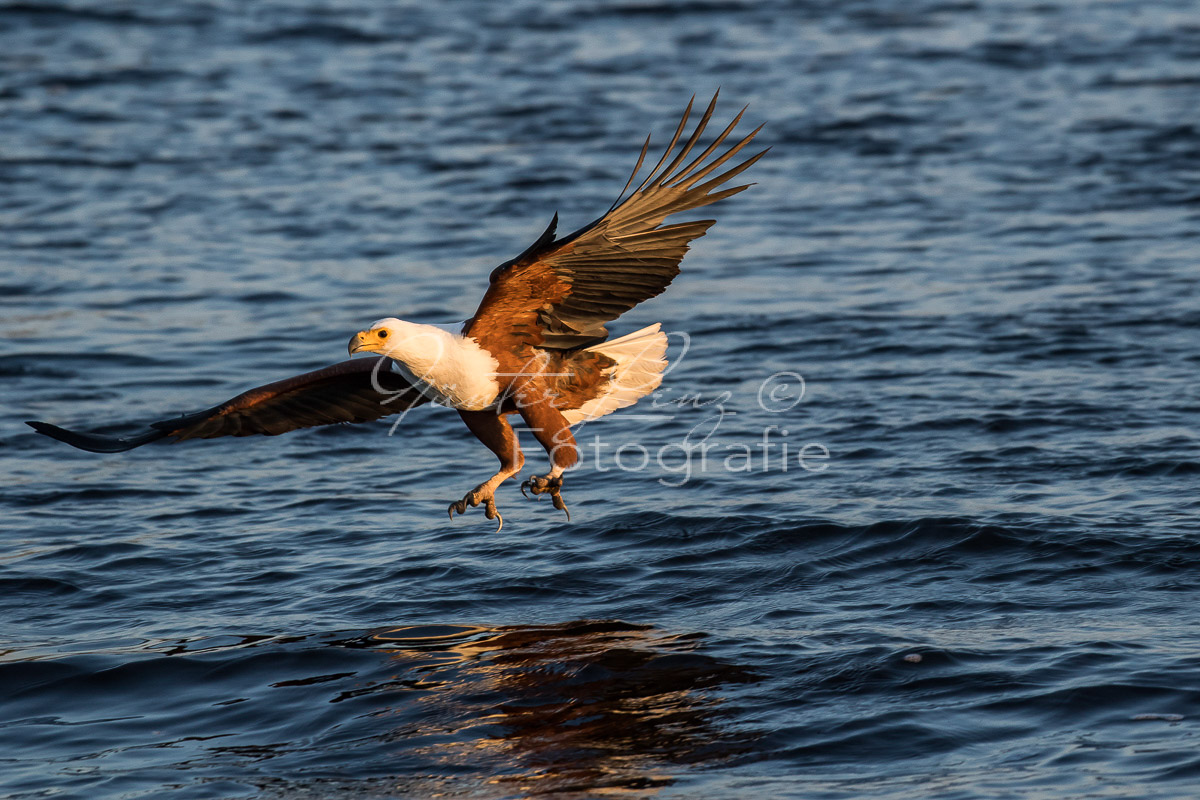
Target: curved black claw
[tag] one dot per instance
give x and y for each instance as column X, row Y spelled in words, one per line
column 540, row 485
column 472, row 499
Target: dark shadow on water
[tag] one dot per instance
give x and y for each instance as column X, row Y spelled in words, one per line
column 577, row 707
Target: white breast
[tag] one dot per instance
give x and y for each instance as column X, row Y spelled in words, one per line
column 452, row 369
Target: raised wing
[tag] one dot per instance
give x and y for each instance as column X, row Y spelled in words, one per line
column 559, row 293
column 360, row 390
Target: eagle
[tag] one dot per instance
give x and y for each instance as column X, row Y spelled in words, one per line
column 537, row 345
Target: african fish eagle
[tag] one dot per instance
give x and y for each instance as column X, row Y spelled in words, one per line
column 536, row 346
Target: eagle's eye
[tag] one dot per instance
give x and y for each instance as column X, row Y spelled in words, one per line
column 383, row 334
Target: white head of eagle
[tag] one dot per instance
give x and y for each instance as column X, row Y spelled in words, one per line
column 454, row 368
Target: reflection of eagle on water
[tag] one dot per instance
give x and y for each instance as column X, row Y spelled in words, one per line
column 537, row 345
column 580, row 708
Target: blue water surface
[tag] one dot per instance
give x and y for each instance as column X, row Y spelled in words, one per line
column 963, row 294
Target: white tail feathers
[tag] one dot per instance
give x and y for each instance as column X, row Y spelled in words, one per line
column 641, row 359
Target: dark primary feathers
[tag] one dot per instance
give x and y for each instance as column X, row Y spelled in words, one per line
column 559, row 293
column 344, row 392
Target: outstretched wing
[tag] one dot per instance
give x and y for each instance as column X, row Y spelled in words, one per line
column 560, row 292
column 359, row 390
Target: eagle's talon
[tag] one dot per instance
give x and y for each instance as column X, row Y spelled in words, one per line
column 490, row 511
column 473, row 498
column 551, row 485
column 556, row 498
column 539, row 484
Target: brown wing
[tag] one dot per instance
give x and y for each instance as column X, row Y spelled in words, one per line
column 360, row 390
column 560, row 292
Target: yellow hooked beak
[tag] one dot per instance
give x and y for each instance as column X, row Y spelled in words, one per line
column 363, row 342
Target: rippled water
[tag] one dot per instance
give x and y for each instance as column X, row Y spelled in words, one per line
column 974, row 239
